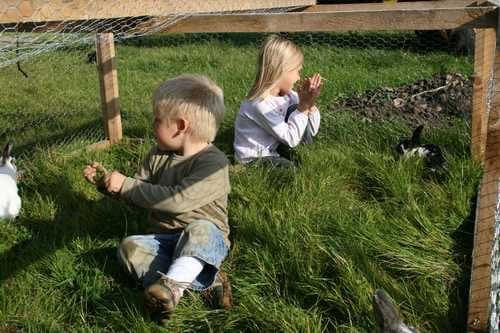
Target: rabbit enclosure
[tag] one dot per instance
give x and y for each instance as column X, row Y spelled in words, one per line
column 309, row 247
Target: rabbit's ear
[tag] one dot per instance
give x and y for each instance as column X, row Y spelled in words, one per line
column 6, row 152
column 403, row 145
column 415, row 138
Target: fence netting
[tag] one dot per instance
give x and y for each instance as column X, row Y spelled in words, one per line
column 495, row 272
column 50, row 90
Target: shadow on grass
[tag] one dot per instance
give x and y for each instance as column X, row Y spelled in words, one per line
column 93, row 277
column 50, row 136
column 76, row 218
column 463, row 238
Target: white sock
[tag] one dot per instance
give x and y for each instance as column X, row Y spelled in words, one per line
column 184, row 270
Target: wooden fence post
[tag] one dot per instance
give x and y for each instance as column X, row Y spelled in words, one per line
column 108, row 79
column 480, row 288
column 484, row 54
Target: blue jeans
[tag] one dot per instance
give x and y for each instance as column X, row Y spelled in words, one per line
column 143, row 256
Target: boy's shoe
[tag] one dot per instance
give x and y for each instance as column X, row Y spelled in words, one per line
column 162, row 297
column 219, row 294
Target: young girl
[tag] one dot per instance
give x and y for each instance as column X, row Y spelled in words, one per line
column 274, row 118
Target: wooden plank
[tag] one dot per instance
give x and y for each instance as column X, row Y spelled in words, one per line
column 394, row 19
column 64, row 10
column 476, row 300
column 486, row 286
column 476, row 326
column 108, row 79
column 495, row 142
column 479, row 297
column 388, row 6
column 485, row 213
column 491, row 184
column 340, row 20
column 481, row 249
column 485, row 44
column 483, row 260
column 497, row 152
column 490, row 164
column 486, row 282
column 488, row 200
column 100, row 145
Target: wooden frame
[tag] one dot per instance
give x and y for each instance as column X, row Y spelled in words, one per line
column 399, row 16
column 480, row 288
column 59, row 10
column 485, row 45
column 338, row 20
column 108, row 79
column 449, row 14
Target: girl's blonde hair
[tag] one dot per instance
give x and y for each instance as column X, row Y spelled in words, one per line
column 278, row 55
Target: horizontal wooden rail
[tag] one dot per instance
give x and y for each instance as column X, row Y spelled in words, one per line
column 395, row 19
column 64, row 10
column 362, row 18
column 376, row 16
column 442, row 4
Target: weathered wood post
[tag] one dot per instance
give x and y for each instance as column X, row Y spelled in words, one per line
column 484, row 55
column 108, row 79
column 486, row 149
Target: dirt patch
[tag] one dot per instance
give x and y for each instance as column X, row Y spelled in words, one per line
column 434, row 102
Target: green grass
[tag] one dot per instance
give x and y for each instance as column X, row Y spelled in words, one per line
column 309, row 247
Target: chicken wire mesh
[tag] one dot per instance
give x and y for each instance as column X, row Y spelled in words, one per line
column 50, row 84
column 54, row 99
column 43, row 41
column 495, row 271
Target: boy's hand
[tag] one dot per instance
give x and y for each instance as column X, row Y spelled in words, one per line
column 308, row 92
column 91, row 172
column 114, row 182
column 96, row 173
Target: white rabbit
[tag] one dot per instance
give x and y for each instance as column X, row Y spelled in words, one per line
column 10, row 202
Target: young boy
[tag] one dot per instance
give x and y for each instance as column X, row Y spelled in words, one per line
column 184, row 183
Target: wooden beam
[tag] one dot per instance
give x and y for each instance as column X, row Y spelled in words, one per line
column 64, row 10
column 400, row 16
column 480, row 287
column 485, row 45
column 392, row 19
column 444, row 4
column 108, row 79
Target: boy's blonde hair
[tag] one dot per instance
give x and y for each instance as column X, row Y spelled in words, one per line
column 195, row 98
column 277, row 55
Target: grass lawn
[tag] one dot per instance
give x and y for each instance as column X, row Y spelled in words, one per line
column 309, row 247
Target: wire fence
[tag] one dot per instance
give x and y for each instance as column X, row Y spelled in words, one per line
column 495, row 272
column 50, row 96
column 53, row 99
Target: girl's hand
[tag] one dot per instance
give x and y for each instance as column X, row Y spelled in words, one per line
column 308, row 92
column 114, row 182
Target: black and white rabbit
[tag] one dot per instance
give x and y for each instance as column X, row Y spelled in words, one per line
column 10, row 202
column 431, row 154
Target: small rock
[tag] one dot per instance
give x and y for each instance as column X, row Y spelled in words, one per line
column 398, row 102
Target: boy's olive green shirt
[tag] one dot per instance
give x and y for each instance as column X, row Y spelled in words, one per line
column 178, row 190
